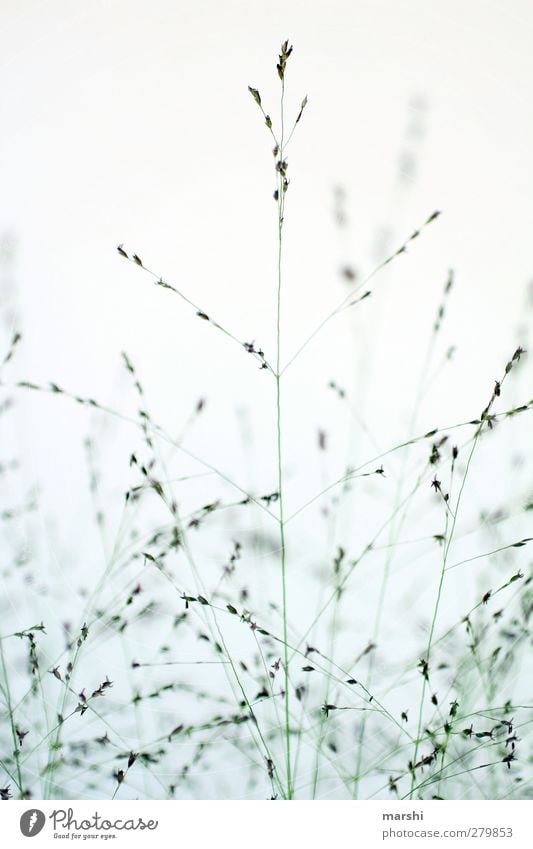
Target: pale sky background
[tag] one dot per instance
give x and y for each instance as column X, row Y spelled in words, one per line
column 131, row 122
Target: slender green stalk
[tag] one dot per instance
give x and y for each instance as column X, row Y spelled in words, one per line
column 437, row 607
column 396, row 530
column 281, row 205
column 9, row 706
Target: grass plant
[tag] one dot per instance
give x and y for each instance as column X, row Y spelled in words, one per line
column 173, row 673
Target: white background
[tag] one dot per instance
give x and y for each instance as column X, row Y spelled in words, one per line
column 131, row 122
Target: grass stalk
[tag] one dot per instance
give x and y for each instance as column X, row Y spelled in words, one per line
column 283, row 558
column 9, row 707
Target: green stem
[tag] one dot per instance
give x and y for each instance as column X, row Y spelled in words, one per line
column 437, row 606
column 280, row 461
column 9, row 707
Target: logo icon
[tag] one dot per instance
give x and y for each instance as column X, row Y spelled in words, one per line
column 32, row 822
